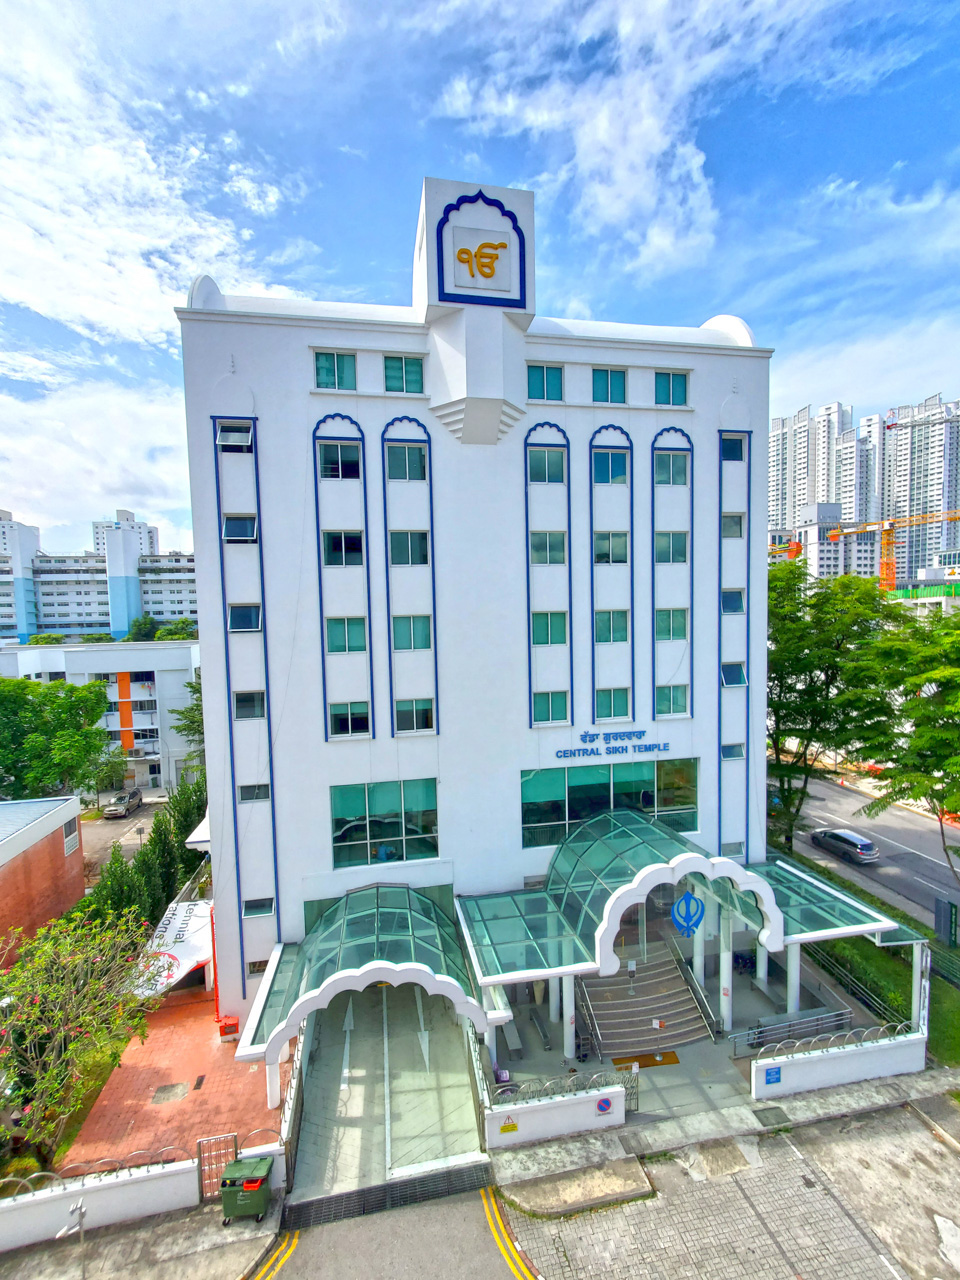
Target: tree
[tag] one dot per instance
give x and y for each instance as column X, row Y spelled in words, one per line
column 47, row 638
column 186, row 807
column 50, row 741
column 182, row 629
column 164, row 855
column 925, row 766
column 110, row 771
column 143, row 628
column 74, row 990
column 189, row 719
column 829, row 689
column 120, row 888
column 101, row 637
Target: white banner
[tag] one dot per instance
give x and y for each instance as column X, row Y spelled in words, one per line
column 184, row 941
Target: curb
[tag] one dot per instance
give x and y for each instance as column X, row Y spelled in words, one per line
column 508, row 1227
column 260, row 1258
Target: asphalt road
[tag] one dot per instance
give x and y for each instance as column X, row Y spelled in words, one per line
column 911, row 862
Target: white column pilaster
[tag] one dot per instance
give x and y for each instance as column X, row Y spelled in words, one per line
column 917, row 983
column 763, row 956
column 793, row 977
column 569, row 1018
column 273, row 1085
column 554, row 999
column 699, row 945
column 726, row 969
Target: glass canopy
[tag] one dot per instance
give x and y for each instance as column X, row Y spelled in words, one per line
column 812, row 906
column 518, row 933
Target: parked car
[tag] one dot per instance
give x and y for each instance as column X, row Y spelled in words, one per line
column 845, row 843
column 124, row 804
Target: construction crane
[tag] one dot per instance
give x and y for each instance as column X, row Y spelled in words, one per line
column 789, row 549
column 888, row 538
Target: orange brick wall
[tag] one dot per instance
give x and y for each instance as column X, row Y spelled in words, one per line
column 40, row 883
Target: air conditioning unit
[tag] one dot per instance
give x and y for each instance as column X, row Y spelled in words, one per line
column 136, row 752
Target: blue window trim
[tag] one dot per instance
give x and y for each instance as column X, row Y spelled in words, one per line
column 216, row 419
column 611, row 426
column 527, row 446
column 415, row 422
column 691, row 542
column 442, row 295
column 318, row 439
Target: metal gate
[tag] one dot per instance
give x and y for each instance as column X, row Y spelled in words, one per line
column 213, row 1156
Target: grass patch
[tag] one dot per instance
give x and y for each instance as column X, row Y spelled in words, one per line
column 91, row 815
column 97, row 1071
column 656, row 1157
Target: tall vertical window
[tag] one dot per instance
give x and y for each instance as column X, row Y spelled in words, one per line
column 384, row 822
column 670, row 388
column 406, row 462
column 669, row 468
column 609, row 386
column 609, row 466
column 335, row 372
column 403, row 374
column 548, row 707
column 339, row 461
column 544, row 382
column 548, row 548
column 546, row 466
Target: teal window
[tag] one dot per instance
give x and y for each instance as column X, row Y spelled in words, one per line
column 669, row 468
column 609, row 466
column 610, row 548
column 671, row 699
column 406, row 462
column 250, row 706
column 339, row 461
column 732, row 674
column 731, row 601
column 732, row 751
column 670, row 548
column 613, row 704
column 258, row 907
column 403, row 374
column 239, row 528
column 549, row 628
column 609, row 386
column 244, row 617
column 348, row 718
column 409, row 548
column 731, row 448
column 671, row 624
column 731, row 526
column 548, row 548
column 670, row 388
column 610, row 626
column 548, row 707
column 384, row 822
column 546, row 466
column 411, row 631
column 543, row 803
column 544, row 382
column 343, row 548
column 336, row 372
column 414, row 715
column 346, row 635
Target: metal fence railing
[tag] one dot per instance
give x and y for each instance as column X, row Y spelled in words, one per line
column 746, row 1042
column 516, row 1093
column 711, row 1021
column 856, row 1035
column 851, row 984
column 945, row 962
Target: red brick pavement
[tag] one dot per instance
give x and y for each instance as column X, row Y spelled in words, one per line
column 183, row 1044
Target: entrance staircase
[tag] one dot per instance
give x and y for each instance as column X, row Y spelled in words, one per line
column 624, row 1018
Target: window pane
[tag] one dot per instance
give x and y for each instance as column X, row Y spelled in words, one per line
column 402, row 633
column 349, row 462
column 558, row 628
column 732, row 673
column 679, row 624
column 347, row 373
column 731, row 526
column 554, row 380
column 538, row 548
column 350, row 855
column 618, row 386
column 393, row 373
column 330, row 462
column 240, row 528
column 541, row 707
column 558, row 706
column 661, row 468
column 333, row 548
column 244, row 617
column 359, row 717
column 326, row 370
column 421, row 631
column 731, row 601
column 413, row 369
column 538, row 466
column 420, row 807
column 661, row 548
column 405, row 716
column 679, row 700
column 383, row 801
column 618, row 625
column 676, row 784
column 618, row 548
column 555, row 466
column 396, row 462
column 356, row 635
column 399, row 548
column 601, row 462
column 416, row 462
column 601, row 626
column 353, row 548
column 588, row 791
column 663, row 700
column 249, row 706
column 618, row 468
column 558, row 548
column 634, row 787
column 339, row 719
column 661, row 388
column 679, row 468
column 679, row 543
column 423, row 713
column 620, row 702
column 603, row 704
column 601, row 385
column 732, row 751
column 731, row 448
column 663, row 630
column 601, row 548
column 336, row 635
column 543, row 796
column 535, row 382
column 419, row 551
column 679, row 388
column 541, row 628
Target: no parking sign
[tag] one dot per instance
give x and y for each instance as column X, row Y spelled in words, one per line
column 603, row 1105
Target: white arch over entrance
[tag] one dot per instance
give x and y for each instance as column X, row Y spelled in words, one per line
column 672, row 872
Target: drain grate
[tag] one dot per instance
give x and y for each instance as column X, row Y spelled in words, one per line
column 388, row 1195
column 772, row 1117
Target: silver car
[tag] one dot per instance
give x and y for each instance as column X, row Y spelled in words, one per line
column 124, row 804
column 847, row 844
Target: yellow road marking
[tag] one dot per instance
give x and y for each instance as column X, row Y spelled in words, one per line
column 279, row 1257
column 502, row 1236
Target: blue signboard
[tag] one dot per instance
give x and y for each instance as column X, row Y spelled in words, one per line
column 687, row 914
column 773, row 1075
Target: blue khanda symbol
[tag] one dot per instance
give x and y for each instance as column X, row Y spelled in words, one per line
column 687, row 914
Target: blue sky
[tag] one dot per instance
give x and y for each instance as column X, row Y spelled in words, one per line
column 796, row 162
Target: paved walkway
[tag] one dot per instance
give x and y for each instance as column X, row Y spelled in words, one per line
column 203, row 1090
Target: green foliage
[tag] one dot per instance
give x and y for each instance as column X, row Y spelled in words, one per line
column 47, row 638
column 829, row 687
column 50, row 741
column 143, row 628
column 189, row 719
column 71, row 992
column 110, row 771
column 101, row 637
column 182, row 629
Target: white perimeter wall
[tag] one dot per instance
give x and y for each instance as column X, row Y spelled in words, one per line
column 843, row 1065
column 553, row 1117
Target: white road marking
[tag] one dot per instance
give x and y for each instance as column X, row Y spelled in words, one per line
column 938, row 887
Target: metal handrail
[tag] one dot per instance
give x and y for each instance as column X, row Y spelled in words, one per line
column 557, row 1086
column 856, row 1035
column 710, row 1020
column 819, row 1024
column 851, row 984
column 586, row 1004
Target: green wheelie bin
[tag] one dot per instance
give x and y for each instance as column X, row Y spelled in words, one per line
column 245, row 1188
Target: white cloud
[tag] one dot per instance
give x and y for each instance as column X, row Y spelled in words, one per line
column 352, row 151
column 78, row 453
column 262, row 198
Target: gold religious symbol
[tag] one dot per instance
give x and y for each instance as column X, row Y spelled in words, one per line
column 485, row 256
